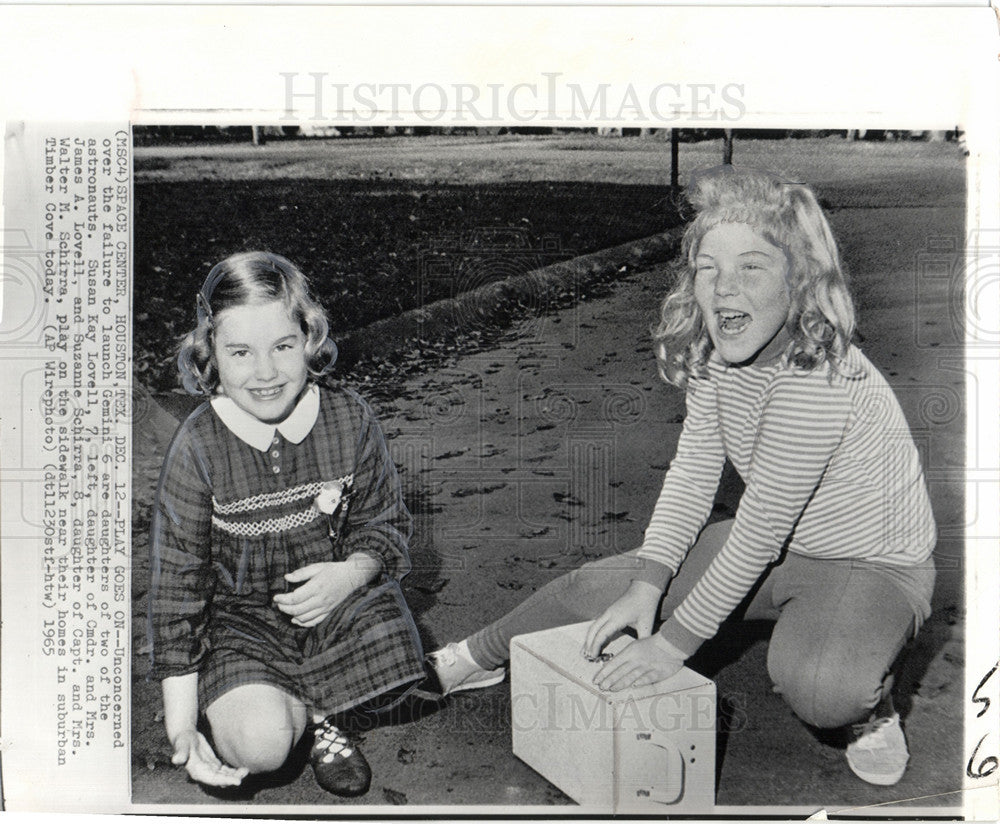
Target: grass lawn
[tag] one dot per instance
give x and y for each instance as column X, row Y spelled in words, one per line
column 386, row 225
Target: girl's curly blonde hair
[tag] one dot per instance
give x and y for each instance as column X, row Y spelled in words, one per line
column 251, row 278
column 787, row 215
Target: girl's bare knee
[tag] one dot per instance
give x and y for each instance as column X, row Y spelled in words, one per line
column 258, row 747
column 255, row 726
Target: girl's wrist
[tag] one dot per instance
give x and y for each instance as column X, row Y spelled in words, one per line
column 653, row 573
column 178, row 734
column 669, row 648
column 646, row 588
column 180, row 705
column 363, row 567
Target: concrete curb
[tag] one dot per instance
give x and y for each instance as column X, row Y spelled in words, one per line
column 535, row 289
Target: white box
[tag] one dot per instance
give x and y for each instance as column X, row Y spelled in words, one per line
column 644, row 750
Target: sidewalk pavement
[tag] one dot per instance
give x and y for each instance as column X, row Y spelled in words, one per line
column 547, row 450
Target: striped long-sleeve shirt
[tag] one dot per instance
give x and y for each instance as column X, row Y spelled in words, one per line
column 830, row 468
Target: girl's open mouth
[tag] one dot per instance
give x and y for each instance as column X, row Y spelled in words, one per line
column 266, row 394
column 732, row 322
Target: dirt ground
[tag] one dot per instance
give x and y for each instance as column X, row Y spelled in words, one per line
column 547, row 448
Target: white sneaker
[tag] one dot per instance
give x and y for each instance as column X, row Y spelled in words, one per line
column 457, row 671
column 878, row 753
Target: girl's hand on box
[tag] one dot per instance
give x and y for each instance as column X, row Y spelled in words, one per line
column 192, row 750
column 642, row 662
column 326, row 585
column 636, row 608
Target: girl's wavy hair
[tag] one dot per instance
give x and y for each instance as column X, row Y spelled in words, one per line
column 251, row 278
column 821, row 316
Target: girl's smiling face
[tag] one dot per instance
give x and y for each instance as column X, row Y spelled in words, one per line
column 741, row 288
column 261, row 357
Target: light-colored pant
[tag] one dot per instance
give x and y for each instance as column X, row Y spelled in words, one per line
column 840, row 624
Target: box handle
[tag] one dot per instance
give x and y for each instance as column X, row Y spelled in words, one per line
column 673, row 787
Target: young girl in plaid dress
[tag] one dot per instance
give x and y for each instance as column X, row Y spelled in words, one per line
column 278, row 541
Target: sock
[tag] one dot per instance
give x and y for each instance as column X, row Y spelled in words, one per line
column 462, row 648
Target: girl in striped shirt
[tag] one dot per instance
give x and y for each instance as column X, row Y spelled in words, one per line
column 833, row 536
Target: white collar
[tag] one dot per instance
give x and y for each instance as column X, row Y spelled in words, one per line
column 258, row 434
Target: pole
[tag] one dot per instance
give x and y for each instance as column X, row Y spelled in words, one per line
column 674, row 153
column 727, row 148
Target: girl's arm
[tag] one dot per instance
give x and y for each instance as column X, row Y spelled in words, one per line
column 800, row 429
column 181, row 588
column 689, row 488
column 191, row 749
column 681, row 510
column 378, row 523
column 377, row 529
column 326, row 584
column 181, row 577
column 180, row 705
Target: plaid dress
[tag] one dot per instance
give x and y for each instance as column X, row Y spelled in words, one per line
column 227, row 527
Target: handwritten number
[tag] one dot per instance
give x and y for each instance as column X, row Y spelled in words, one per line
column 986, row 767
column 984, row 700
